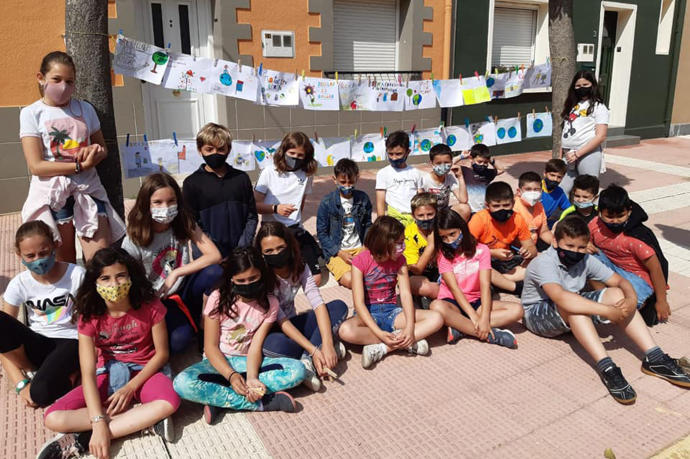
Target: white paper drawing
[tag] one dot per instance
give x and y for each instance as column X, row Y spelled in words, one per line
column 136, row 159
column 329, row 151
column 263, row 152
column 369, row 147
column 140, row 60
column 241, row 156
column 474, row 90
column 448, row 93
column 187, row 73
column 164, row 156
column 420, row 95
column 389, row 96
column 505, row 85
column 279, row 88
column 427, row 138
column 189, row 157
column 319, row 94
column 538, row 76
column 508, row 131
column 458, row 138
column 484, row 132
column 356, row 95
column 539, row 124
column 496, row 82
column 228, row 79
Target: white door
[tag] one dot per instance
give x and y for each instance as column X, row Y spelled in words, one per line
column 182, row 26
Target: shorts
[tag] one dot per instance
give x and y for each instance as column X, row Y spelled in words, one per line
column 475, row 304
column 543, row 318
column 66, row 214
column 337, row 265
column 384, row 315
column 642, row 289
column 311, row 251
column 505, row 266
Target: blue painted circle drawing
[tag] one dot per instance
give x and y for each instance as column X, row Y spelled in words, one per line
column 501, row 132
column 451, row 139
column 225, row 78
column 368, row 147
column 490, row 82
column 425, row 145
column 371, row 159
column 512, row 132
column 538, row 125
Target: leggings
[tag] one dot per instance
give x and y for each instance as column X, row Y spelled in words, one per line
column 201, row 383
column 589, row 164
column 277, row 344
column 55, row 358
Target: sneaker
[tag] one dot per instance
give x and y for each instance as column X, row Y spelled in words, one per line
column 211, row 414
column 165, row 429
column 372, row 353
column 454, row 336
column 667, row 369
column 618, row 387
column 340, row 350
column 421, row 347
column 65, row 446
column 425, row 302
column 279, row 401
column 311, row 379
column 503, row 337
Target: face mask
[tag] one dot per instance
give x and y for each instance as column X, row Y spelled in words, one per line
column 441, row 169
column 60, row 93
column 484, row 171
column 425, row 225
column 346, row 190
column 216, row 160
column 570, row 258
column 250, row 291
column 397, row 163
column 399, row 248
column 41, row 266
column 531, row 197
column 164, row 215
column 615, row 227
column 278, row 260
column 114, row 293
column 583, row 92
column 502, row 215
column 583, row 205
column 455, row 244
column 294, row 164
column 550, row 185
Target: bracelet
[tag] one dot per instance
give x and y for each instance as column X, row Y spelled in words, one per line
column 77, row 167
column 98, row 418
column 275, row 208
column 21, row 385
column 231, row 375
column 315, row 350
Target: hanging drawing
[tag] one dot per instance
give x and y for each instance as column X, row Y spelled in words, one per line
column 484, row 132
column 474, row 90
column 508, row 130
column 136, row 159
column 496, row 83
column 427, row 138
column 369, row 147
column 229, row 79
column 263, row 152
column 389, row 96
column 164, row 156
column 448, row 93
column 279, row 88
column 328, row 151
column 242, row 156
column 140, row 60
column 538, row 76
column 356, row 95
column 187, row 73
column 318, row 94
column 420, row 95
column 189, row 157
column 539, row 124
column 458, row 138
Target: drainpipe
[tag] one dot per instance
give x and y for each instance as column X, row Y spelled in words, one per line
column 677, row 39
column 449, row 24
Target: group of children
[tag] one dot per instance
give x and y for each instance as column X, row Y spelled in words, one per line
column 193, row 265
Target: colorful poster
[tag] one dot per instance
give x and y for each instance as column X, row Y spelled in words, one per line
column 140, row 60
column 136, row 159
column 189, row 156
column 389, row 96
column 538, row 76
column 241, row 156
column 448, row 93
column 164, row 156
column 356, row 95
column 319, row 94
column 508, row 130
column 539, row 124
column 427, row 138
column 458, row 138
column 369, row 147
column 228, row 79
column 505, row 85
column 420, row 95
column 474, row 90
column 329, row 151
column 187, row 73
column 278, row 88
column 484, row 132
column 263, row 152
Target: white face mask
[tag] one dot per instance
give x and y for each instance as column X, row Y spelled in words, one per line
column 164, row 215
column 531, row 197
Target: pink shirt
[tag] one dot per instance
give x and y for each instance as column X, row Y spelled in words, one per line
column 379, row 279
column 466, row 272
column 236, row 332
column 127, row 338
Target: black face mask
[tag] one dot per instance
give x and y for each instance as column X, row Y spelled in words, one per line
column 294, row 164
column 425, row 225
column 583, row 92
column 483, row 171
column 216, row 160
column 250, row 291
column 570, row 258
column 550, row 184
column 615, row 227
column 502, row 215
column 278, row 260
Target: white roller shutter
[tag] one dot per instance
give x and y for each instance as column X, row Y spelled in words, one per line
column 514, row 35
column 364, row 34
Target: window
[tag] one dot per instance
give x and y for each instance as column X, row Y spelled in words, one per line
column 277, row 43
column 663, row 37
column 514, row 37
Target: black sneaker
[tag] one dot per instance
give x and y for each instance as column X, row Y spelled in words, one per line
column 65, row 446
column 618, row 387
column 668, row 369
column 279, row 401
column 211, row 414
column 164, row 429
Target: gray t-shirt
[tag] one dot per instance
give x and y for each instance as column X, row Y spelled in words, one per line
column 548, row 269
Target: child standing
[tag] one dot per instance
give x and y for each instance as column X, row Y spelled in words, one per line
column 420, row 247
column 237, row 318
column 450, row 190
column 63, row 144
column 282, row 188
column 379, row 323
column 585, row 191
column 553, row 197
column 158, row 234
column 309, row 336
column 40, row 358
column 397, row 183
column 343, row 218
column 528, row 206
column 477, row 177
column 219, row 196
column 464, row 299
column 123, row 347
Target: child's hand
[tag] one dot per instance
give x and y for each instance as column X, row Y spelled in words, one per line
column 524, row 253
column 99, row 445
column 392, row 340
column 591, row 248
column 346, row 256
column 484, row 327
column 329, row 356
column 238, row 384
column 286, row 209
column 502, row 254
column 169, row 283
column 626, row 306
column 26, row 396
column 120, row 400
column 663, row 310
column 571, row 156
column 255, row 390
column 406, row 337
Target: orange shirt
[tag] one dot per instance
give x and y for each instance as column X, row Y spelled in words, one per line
column 498, row 235
column 535, row 217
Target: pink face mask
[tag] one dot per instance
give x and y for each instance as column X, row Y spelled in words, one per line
column 59, row 93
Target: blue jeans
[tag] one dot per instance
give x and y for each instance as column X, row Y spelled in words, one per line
column 66, row 214
column 384, row 315
column 642, row 288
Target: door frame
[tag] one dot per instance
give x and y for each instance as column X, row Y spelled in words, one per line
column 622, row 62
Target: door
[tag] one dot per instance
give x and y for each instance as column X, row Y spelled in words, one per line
column 608, row 51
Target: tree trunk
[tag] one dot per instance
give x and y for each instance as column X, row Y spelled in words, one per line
column 86, row 40
column 562, row 49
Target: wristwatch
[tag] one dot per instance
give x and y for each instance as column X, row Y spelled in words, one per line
column 275, row 208
column 21, row 385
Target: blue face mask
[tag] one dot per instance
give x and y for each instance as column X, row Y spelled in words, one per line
column 425, row 225
column 40, row 266
column 397, row 163
column 583, row 205
column 455, row 244
column 345, row 190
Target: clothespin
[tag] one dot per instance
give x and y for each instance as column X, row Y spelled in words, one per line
column 522, row 66
column 517, row 68
column 399, row 79
column 495, row 119
column 127, row 140
column 303, row 74
column 239, row 64
column 460, row 77
column 534, row 112
column 413, row 128
column 432, row 76
column 175, row 138
column 381, row 131
column 488, row 117
column 385, row 131
column 467, row 123
column 476, row 73
column 316, row 136
column 336, row 76
column 442, row 125
column 120, row 33
column 330, row 372
column 355, row 133
column 169, row 45
column 296, row 76
column 546, row 108
column 519, row 116
column 146, row 140
column 253, row 138
column 496, row 70
column 261, row 68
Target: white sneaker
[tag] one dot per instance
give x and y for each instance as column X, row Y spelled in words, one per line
column 421, row 347
column 340, row 350
column 372, row 353
column 311, row 379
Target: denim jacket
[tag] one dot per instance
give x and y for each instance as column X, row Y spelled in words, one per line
column 329, row 220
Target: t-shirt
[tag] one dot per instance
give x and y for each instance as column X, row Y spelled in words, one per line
column 350, row 236
column 49, row 306
column 160, row 258
column 498, row 235
column 552, row 201
column 401, row 185
column 63, row 130
column 286, row 291
column 466, row 271
column 579, row 128
column 127, row 338
column 284, row 188
column 380, row 279
column 626, row 252
column 476, row 187
column 236, row 333
column 534, row 216
column 445, row 192
column 548, row 269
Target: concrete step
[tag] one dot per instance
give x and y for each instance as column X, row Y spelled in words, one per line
column 622, row 140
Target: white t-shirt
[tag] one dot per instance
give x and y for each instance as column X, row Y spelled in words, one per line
column 49, row 306
column 350, row 237
column 284, row 188
column 445, row 192
column 579, row 128
column 401, row 185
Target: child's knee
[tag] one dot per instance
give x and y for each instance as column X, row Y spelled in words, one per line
column 436, row 318
column 346, row 332
column 439, row 306
column 55, row 421
column 612, row 295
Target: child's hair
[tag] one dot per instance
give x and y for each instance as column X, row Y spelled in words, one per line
column 528, row 177
column 52, row 58
column 240, row 260
column 139, row 227
column 32, row 228
column 449, row 219
column 294, row 140
column 277, row 229
column 572, row 98
column 481, row 150
column 614, row 199
column 384, row 233
column 89, row 303
column 586, row 182
column 555, row 165
column 572, row 226
column 214, row 134
column 423, row 199
column 398, row 139
column 498, row 191
column 440, row 149
column 346, row 167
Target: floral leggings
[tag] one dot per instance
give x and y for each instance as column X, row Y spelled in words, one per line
column 201, row 383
